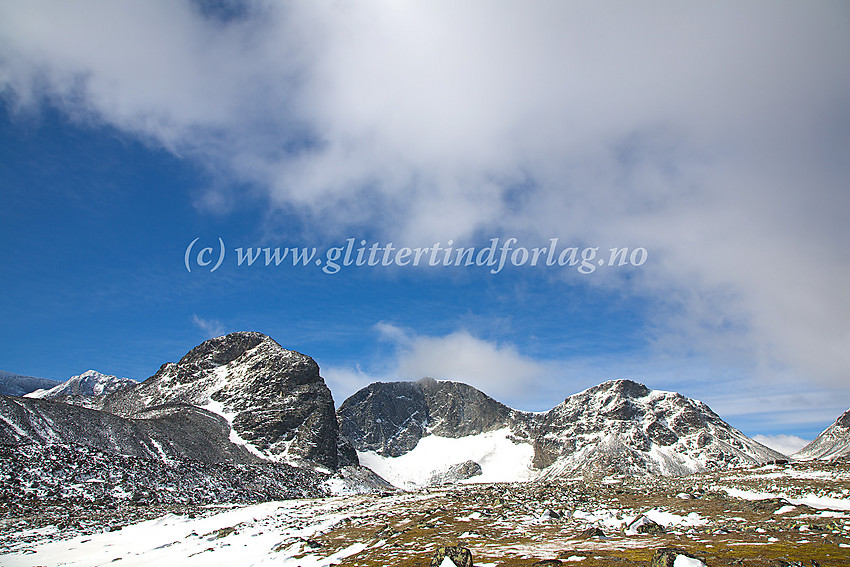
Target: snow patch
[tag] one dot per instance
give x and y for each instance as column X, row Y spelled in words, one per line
column 501, row 459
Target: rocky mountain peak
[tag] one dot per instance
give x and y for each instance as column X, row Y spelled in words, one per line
column 617, row 426
column 622, row 387
column 222, row 350
column 391, row 417
column 274, row 399
column 86, row 389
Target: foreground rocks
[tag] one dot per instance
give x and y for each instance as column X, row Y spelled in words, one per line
column 459, row 557
column 569, row 522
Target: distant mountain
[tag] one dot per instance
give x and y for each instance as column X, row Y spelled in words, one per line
column 390, row 418
column 86, row 389
column 833, row 442
column 625, row 426
column 274, row 399
column 618, row 426
column 17, row 385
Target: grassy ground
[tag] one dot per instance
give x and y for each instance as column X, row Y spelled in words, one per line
column 501, row 524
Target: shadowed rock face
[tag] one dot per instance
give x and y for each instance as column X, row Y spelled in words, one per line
column 18, row 385
column 388, row 418
column 274, row 398
column 391, row 417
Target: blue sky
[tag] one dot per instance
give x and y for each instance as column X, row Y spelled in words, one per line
column 715, row 137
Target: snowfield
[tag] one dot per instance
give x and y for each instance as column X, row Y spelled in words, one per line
column 262, row 534
column 501, row 459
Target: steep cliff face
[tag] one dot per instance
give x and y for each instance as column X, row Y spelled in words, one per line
column 274, row 399
column 390, row 418
column 832, row 443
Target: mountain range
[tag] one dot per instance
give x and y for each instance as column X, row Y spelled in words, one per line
column 619, row 426
column 243, row 400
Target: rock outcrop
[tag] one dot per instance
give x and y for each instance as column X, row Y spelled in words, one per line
column 274, row 399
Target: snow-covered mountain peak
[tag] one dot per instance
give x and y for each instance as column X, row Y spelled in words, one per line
column 90, row 383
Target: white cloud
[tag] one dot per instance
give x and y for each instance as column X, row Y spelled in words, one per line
column 713, row 134
column 499, row 370
column 344, row 381
column 210, row 327
column 785, row 444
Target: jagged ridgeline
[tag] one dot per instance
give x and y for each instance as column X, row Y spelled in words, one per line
column 232, row 402
column 243, row 400
column 618, row 426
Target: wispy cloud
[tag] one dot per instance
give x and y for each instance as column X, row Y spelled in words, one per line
column 498, row 369
column 210, row 327
column 344, row 381
column 715, row 135
column 785, row 444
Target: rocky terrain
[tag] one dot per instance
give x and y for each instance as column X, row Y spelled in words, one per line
column 775, row 515
column 175, row 431
column 832, row 443
column 236, row 450
column 618, row 426
column 390, row 418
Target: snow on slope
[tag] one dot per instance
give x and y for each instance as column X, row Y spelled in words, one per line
column 263, row 534
column 89, row 383
column 501, row 459
column 625, row 425
column 618, row 426
column 833, row 442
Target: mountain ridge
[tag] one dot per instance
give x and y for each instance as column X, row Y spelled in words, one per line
column 12, row 384
column 833, row 442
column 618, row 425
column 274, row 399
column 87, row 389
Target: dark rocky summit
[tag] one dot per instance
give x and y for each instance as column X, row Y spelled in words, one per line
column 274, row 399
column 391, row 417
